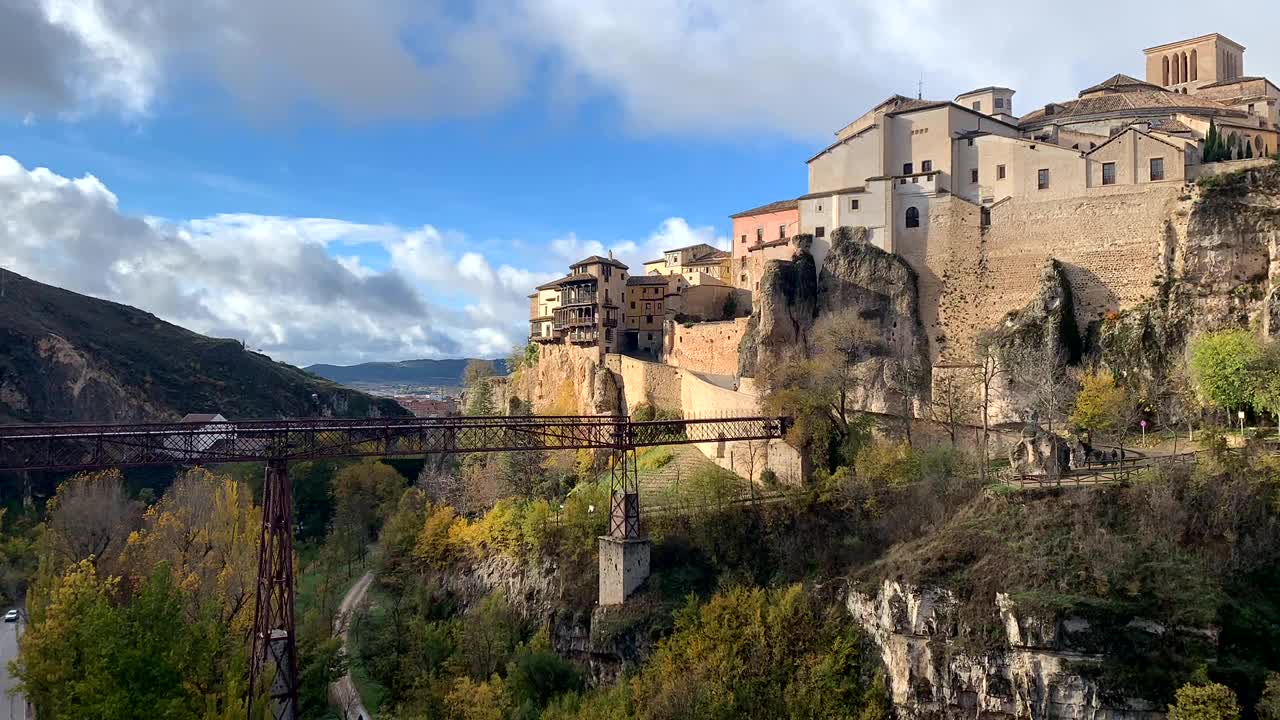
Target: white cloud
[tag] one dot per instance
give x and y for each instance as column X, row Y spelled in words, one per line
column 279, row 283
column 802, row 67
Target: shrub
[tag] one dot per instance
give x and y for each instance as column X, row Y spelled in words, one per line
column 769, row 479
column 643, row 413
column 888, row 463
column 1205, row 702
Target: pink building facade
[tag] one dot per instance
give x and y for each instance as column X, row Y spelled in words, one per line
column 759, row 235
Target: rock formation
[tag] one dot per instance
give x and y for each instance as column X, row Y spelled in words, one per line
column 567, row 380
column 783, row 311
column 1032, row 676
column 1042, row 453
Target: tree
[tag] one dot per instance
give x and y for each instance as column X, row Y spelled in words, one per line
column 1211, row 143
column 1039, row 374
column 205, row 530
column 524, row 473
column 477, row 378
column 953, row 403
column 1099, row 403
column 1266, row 389
column 1224, row 366
column 96, row 651
column 1204, row 702
column 90, row 517
column 1269, row 704
column 990, row 367
column 490, row 632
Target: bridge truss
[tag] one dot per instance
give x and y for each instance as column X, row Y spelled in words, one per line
column 94, row 446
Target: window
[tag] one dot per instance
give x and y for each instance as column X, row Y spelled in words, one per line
column 913, row 217
column 1042, row 179
column 999, row 172
column 1157, row 169
column 819, row 208
column 999, row 103
column 1250, row 107
column 819, row 232
column 1109, row 173
column 973, row 175
column 648, row 319
column 650, row 336
column 970, row 142
column 926, row 166
column 743, row 278
column 744, row 239
column 759, row 235
column 782, row 232
column 633, row 304
column 853, row 204
column 915, row 179
column 977, row 105
column 906, row 168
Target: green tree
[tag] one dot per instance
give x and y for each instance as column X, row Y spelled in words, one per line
column 490, row 633
column 524, row 473
column 1204, row 702
column 1224, row 366
column 1269, row 704
column 1211, row 142
column 1100, row 403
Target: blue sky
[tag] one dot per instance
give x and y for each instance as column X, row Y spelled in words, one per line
column 338, row 182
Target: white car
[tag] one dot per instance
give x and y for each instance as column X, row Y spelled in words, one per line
column 11, row 616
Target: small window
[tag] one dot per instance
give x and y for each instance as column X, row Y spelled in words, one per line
column 819, row 208
column 633, row 304
column 608, row 335
column 744, row 239
column 1042, row 179
column 906, row 168
column 1251, row 107
column 743, row 278
column 1109, row 173
column 999, row 103
column 977, row 105
column 853, row 204
column 999, row 172
column 970, row 142
column 915, row 179
column 648, row 319
column 819, row 232
column 913, row 217
column 926, row 166
column 973, row 175
column 759, row 234
column 782, row 232
column 1157, row 169
column 650, row 336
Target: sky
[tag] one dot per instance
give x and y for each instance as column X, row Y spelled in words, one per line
column 339, row 181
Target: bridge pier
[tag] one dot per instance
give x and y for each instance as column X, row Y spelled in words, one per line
column 275, row 651
column 624, row 552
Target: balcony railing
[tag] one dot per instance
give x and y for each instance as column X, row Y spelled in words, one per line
column 589, row 337
column 578, row 297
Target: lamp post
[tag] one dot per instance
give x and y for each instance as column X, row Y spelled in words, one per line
column 1240, row 415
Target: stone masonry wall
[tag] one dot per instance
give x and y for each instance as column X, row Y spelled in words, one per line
column 709, row 347
column 647, row 382
column 1114, row 243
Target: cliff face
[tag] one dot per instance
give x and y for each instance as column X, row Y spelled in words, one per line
column 568, row 380
column 859, row 278
column 1032, row 677
column 67, row 357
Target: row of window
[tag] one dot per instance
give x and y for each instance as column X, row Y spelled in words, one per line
column 999, row 102
column 1109, row 171
column 782, row 233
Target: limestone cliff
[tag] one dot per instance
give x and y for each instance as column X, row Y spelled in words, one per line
column 1034, row 675
column 568, row 380
column 1046, row 323
column 856, row 277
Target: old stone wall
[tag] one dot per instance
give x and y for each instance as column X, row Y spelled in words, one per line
column 1114, row 243
column 709, row 347
column 647, row 382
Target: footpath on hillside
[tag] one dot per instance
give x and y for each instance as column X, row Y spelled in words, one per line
column 343, row 691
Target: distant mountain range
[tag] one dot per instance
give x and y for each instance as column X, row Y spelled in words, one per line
column 69, row 357
column 410, row 372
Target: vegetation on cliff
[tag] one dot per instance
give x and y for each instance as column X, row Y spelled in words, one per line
column 65, row 357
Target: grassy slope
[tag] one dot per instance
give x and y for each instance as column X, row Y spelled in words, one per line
column 170, row 367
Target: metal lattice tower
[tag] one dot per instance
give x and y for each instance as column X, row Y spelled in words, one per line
column 275, row 648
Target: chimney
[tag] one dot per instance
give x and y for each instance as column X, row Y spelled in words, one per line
column 610, row 254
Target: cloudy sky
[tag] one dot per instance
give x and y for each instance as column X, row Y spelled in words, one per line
column 339, row 181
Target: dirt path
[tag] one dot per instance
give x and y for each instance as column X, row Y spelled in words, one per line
column 343, row 692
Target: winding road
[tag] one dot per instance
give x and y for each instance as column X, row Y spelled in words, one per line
column 343, row 691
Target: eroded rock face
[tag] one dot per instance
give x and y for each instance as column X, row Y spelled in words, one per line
column 784, row 308
column 1047, row 322
column 1030, row 678
column 566, row 381
column 1042, row 453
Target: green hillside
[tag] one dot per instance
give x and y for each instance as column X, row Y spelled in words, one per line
column 66, row 357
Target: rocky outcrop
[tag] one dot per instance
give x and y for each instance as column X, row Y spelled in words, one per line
column 1046, row 323
column 1031, row 676
column 1041, row 453
column 567, row 380
column 783, row 311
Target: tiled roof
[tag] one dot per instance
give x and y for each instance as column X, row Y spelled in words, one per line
column 554, row 283
column 647, row 280
column 1169, row 125
column 828, row 193
column 989, row 88
column 1233, row 81
column 1120, row 83
column 710, row 258
column 772, row 207
column 686, row 247
column 1124, row 103
column 596, row 259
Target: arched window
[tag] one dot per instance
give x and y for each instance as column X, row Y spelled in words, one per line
column 1165, row 69
column 1173, row 74
column 913, row 217
column 1195, row 72
column 1185, row 74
